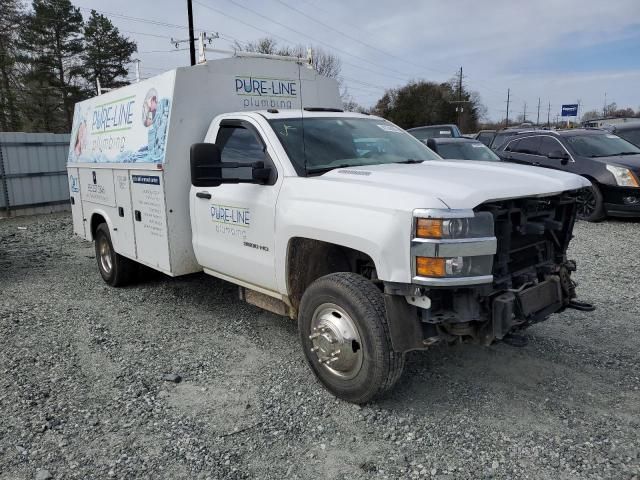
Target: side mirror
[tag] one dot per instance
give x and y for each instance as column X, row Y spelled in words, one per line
column 260, row 173
column 206, row 168
column 559, row 155
column 431, row 143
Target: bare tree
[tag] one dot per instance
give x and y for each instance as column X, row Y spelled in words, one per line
column 325, row 63
column 348, row 102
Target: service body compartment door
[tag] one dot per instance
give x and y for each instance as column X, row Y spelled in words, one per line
column 96, row 186
column 150, row 219
column 123, row 234
column 76, row 202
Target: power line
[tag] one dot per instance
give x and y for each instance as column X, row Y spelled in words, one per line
column 357, row 39
column 378, row 72
column 137, row 19
column 327, row 45
column 352, row 38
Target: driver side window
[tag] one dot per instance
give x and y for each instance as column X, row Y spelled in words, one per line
column 528, row 146
column 549, row 145
column 238, row 145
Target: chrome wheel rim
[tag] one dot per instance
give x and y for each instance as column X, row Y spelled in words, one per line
column 104, row 255
column 586, row 203
column 335, row 341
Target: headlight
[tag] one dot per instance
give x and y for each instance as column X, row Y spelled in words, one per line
column 452, row 247
column 480, row 225
column 624, row 177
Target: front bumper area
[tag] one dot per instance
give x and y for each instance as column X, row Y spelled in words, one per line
column 530, row 278
column 474, row 318
column 616, row 201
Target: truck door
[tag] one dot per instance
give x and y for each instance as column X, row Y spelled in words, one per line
column 149, row 218
column 233, row 224
column 123, row 224
column 76, row 202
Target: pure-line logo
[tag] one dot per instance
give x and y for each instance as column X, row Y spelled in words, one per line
column 265, row 92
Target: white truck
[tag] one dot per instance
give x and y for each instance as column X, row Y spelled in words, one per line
column 245, row 168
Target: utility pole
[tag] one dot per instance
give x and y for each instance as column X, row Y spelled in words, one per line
column 192, row 40
column 579, row 102
column 203, row 39
column 549, row 116
column 604, row 108
column 459, row 106
column 508, row 96
column 524, row 113
column 538, row 120
column 137, row 70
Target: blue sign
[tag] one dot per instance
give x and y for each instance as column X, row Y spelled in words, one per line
column 570, row 110
column 146, row 179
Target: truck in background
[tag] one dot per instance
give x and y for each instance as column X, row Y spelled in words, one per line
column 246, row 168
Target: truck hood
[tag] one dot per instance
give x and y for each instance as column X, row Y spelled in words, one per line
column 461, row 183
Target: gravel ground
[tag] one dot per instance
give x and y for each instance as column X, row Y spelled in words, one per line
column 86, row 385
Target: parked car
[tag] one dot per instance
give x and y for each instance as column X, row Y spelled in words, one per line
column 502, row 136
column 436, row 131
column 611, row 163
column 629, row 131
column 462, row 149
column 485, row 136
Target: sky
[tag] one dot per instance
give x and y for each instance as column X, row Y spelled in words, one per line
column 558, row 52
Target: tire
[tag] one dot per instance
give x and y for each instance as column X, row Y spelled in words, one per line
column 347, row 308
column 591, row 204
column 115, row 269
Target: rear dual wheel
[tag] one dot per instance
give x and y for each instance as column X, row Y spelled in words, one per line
column 115, row 269
column 345, row 337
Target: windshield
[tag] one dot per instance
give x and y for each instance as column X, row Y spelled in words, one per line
column 467, row 151
column 631, row 135
column 329, row 143
column 595, row 145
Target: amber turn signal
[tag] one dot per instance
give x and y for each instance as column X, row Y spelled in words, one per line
column 429, row 228
column 430, row 267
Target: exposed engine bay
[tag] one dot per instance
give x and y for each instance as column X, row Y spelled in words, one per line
column 532, row 275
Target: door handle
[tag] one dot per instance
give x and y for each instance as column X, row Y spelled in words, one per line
column 536, row 164
column 206, row 195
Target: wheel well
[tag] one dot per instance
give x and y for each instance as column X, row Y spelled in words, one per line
column 308, row 260
column 96, row 219
column 591, row 179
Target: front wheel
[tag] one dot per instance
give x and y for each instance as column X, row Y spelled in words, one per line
column 345, row 337
column 590, row 204
column 115, row 269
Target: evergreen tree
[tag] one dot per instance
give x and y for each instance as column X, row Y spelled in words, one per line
column 427, row 103
column 11, row 16
column 106, row 52
column 52, row 42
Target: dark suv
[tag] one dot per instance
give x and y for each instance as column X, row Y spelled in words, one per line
column 485, row 136
column 501, row 136
column 462, row 149
column 435, row 131
column 611, row 164
column 629, row 131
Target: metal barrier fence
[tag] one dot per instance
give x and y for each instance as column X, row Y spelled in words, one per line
column 33, row 176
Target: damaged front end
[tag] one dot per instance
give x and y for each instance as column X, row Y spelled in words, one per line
column 530, row 279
